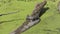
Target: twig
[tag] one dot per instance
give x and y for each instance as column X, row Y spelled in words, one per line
column 9, row 13
column 10, row 20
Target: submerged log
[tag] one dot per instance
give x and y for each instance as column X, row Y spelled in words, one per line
column 31, row 19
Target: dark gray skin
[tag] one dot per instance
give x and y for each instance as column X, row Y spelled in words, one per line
column 25, row 26
column 38, row 7
column 31, row 19
column 36, row 12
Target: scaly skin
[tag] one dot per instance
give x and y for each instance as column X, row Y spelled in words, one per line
column 29, row 20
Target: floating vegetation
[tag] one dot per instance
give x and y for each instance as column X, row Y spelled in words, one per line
column 26, row 0
column 9, row 0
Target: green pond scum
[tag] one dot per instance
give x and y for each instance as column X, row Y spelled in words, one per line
column 15, row 12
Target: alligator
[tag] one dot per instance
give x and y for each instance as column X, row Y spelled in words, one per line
column 31, row 20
